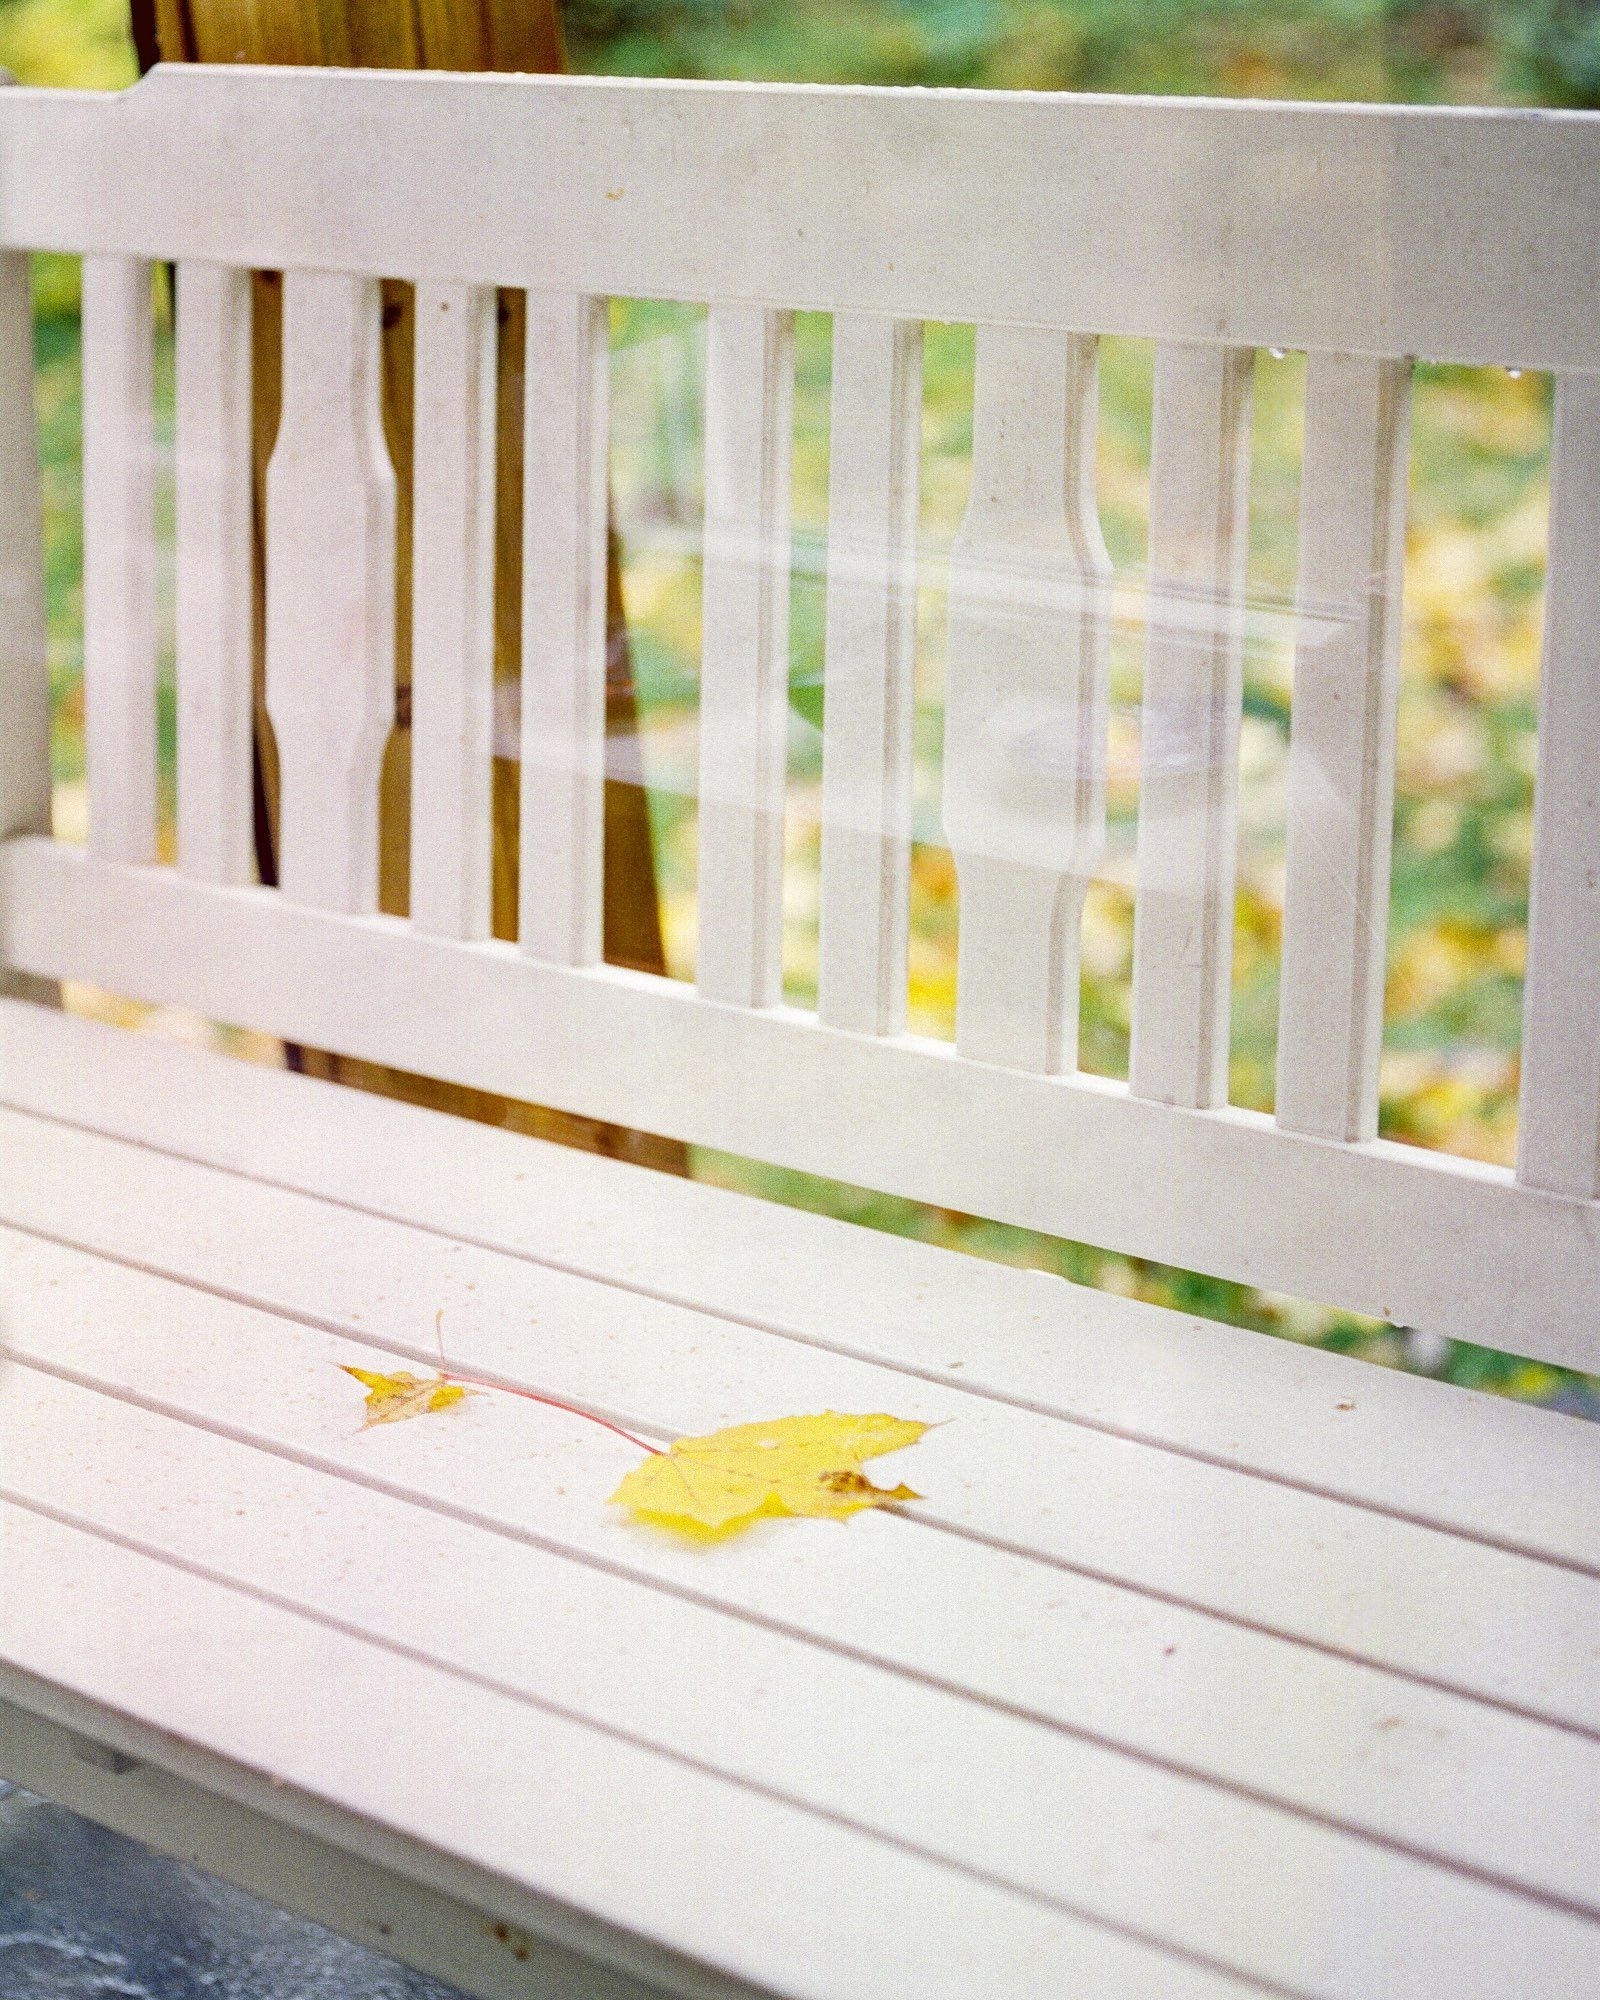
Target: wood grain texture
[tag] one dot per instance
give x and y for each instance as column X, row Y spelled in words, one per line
column 1025, row 710
column 1342, row 746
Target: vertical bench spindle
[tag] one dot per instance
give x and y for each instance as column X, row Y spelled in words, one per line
column 24, row 667
column 869, row 661
column 330, row 592
column 452, row 619
column 1189, row 734
column 1341, row 745
column 744, row 669
column 1025, row 711
column 1559, row 1127
column 215, row 573
column 562, row 824
column 119, row 621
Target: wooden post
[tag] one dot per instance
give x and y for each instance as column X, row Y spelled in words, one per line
column 517, row 35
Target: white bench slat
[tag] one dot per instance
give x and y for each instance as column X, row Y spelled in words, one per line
column 1140, row 215
column 744, row 669
column 869, row 662
column 330, row 592
column 1363, row 1584
column 1481, row 1465
column 24, row 668
column 1559, row 1132
column 1189, row 726
column 1408, row 1235
column 1177, row 1688
column 964, row 1782
column 560, row 882
column 1342, row 744
column 628, row 1885
column 119, row 613
column 1025, row 720
column 215, row 572
column 452, row 615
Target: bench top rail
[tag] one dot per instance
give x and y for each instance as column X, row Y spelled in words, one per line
column 1366, row 236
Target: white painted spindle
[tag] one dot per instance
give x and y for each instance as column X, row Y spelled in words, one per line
column 119, row 620
column 744, row 669
column 1189, row 755
column 564, row 630
column 1341, row 749
column 1559, row 1135
column 330, row 592
column 1025, row 711
column 24, row 672
column 869, row 660
column 215, row 574
column 452, row 610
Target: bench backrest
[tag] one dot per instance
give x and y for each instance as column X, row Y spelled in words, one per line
column 1364, row 236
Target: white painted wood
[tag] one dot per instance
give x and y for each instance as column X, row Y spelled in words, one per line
column 1483, row 1466
column 961, row 1780
column 564, row 629
column 1025, row 717
column 1367, row 1586
column 452, row 614
column 506, row 1799
column 1559, row 1132
column 119, row 615
column 1341, row 746
column 1178, row 1688
column 1404, row 1234
column 869, row 661
column 1189, row 726
column 330, row 592
column 744, row 664
column 24, row 672
column 437, row 1934
column 1461, row 234
column 215, row 574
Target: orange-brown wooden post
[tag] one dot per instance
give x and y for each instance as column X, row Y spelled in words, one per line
column 431, row 34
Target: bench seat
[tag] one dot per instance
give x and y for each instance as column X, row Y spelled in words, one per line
column 1208, row 1666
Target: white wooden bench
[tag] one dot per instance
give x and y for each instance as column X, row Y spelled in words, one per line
column 1209, row 1666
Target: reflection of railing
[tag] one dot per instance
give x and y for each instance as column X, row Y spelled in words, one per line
column 1121, row 218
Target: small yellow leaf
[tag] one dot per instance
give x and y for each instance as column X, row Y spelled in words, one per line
column 792, row 1465
column 392, row 1397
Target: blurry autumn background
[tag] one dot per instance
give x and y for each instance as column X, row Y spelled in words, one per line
column 1474, row 574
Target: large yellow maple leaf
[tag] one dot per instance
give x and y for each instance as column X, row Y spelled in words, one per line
column 791, row 1465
